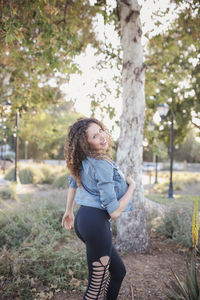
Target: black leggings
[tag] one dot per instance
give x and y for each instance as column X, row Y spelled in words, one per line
column 106, row 269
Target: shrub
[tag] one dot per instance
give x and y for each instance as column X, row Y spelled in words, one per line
column 9, row 174
column 36, row 252
column 6, row 194
column 188, row 289
column 177, row 223
column 153, row 220
column 10, row 193
column 36, row 173
column 61, row 181
column 27, row 175
column 48, row 174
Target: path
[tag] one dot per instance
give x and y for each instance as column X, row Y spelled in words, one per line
column 147, row 273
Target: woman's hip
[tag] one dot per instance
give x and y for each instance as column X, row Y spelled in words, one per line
column 92, row 222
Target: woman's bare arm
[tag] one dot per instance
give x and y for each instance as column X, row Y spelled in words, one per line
column 70, row 199
column 68, row 218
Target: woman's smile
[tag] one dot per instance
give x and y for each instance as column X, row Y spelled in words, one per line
column 104, row 143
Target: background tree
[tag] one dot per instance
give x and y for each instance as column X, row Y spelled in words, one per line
column 46, row 131
column 173, row 73
column 38, row 42
column 189, row 150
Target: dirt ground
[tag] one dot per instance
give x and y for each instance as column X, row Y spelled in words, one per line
column 147, row 273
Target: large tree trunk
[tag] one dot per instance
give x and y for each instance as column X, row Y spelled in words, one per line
column 131, row 226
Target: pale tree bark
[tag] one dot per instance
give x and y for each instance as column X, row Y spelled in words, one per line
column 131, row 226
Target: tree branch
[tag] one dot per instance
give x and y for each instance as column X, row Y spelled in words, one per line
column 1, row 9
column 65, row 12
column 196, row 125
column 125, row 2
column 136, row 12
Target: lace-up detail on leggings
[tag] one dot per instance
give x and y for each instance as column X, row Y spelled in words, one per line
column 100, row 279
column 106, row 269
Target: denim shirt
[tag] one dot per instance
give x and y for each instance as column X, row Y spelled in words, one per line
column 103, row 184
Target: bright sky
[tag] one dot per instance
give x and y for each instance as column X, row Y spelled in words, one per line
column 80, row 86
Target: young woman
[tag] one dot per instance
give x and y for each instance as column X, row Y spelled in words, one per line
column 102, row 192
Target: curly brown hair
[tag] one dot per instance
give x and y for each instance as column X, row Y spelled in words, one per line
column 77, row 148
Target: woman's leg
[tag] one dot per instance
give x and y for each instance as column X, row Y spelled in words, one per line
column 117, row 273
column 105, row 268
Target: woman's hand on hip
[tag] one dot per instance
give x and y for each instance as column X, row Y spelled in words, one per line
column 68, row 220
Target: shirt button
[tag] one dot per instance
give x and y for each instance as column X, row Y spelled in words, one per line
column 102, row 206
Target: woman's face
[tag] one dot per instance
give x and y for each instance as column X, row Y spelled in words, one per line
column 97, row 138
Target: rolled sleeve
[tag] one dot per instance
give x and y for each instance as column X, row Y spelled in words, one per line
column 112, row 206
column 72, row 183
column 106, row 185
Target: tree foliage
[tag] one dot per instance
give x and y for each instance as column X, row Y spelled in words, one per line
column 38, row 42
column 173, row 75
column 189, row 150
column 45, row 131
